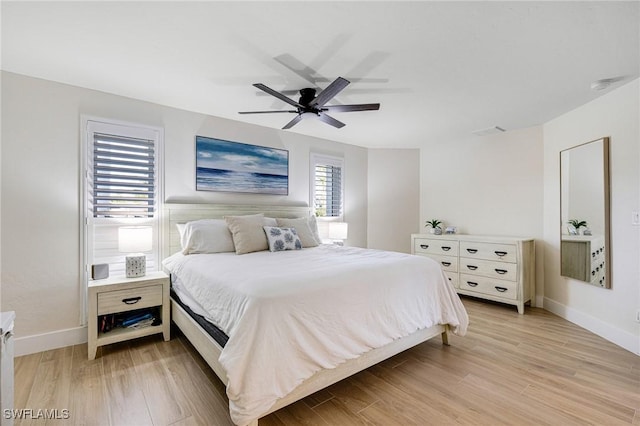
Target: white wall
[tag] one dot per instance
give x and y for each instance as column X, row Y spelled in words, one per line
column 394, row 198
column 607, row 312
column 487, row 185
column 40, row 191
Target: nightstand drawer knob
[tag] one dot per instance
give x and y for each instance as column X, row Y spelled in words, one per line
column 424, row 246
column 132, row 300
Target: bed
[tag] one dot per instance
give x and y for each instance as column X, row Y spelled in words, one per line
column 303, row 319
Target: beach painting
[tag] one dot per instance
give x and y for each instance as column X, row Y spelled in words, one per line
column 238, row 167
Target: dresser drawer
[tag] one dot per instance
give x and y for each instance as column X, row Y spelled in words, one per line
column 448, row 263
column 490, row 286
column 488, row 268
column 435, row 246
column 453, row 278
column 129, row 299
column 489, row 251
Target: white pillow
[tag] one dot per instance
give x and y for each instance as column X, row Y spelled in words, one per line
column 313, row 224
column 206, row 236
column 248, row 234
column 303, row 230
column 281, row 239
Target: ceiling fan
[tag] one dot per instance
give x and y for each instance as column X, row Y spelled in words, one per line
column 310, row 103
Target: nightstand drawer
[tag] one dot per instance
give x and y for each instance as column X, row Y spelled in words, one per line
column 129, row 299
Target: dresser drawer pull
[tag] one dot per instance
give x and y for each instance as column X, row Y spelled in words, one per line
column 132, row 300
column 472, row 251
column 501, row 271
column 446, row 263
column 472, row 267
column 424, row 246
column 445, row 248
column 501, row 289
column 500, row 253
column 472, row 284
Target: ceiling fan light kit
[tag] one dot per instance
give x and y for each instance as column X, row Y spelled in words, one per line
column 314, row 105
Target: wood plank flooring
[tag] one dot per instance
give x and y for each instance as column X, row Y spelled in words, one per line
column 536, row 369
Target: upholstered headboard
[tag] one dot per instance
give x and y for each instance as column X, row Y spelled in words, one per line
column 183, row 213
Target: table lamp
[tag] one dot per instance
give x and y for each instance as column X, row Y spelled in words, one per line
column 338, row 232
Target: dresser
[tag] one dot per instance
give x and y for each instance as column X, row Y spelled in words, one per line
column 583, row 258
column 501, row 269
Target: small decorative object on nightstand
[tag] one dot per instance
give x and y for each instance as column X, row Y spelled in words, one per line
column 117, row 301
column 135, row 240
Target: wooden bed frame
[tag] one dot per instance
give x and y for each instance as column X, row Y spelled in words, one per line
column 210, row 350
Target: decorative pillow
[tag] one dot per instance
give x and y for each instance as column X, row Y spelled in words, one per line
column 281, row 239
column 248, row 234
column 270, row 221
column 303, row 229
column 206, row 236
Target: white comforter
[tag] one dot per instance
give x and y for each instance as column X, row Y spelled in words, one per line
column 290, row 314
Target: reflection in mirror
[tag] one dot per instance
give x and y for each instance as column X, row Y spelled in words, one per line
column 584, row 213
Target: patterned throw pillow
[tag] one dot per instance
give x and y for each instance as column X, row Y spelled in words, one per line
column 281, row 239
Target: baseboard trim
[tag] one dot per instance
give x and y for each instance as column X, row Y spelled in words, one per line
column 53, row 340
column 619, row 337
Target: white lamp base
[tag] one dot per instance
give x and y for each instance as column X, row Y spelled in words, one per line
column 136, row 265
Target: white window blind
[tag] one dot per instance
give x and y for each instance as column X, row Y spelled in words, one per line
column 124, row 183
column 327, row 185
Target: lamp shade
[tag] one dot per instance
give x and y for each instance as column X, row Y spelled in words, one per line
column 338, row 230
column 135, row 239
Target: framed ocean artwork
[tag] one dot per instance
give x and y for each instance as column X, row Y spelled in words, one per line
column 238, row 167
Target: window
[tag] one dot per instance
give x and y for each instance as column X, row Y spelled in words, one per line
column 327, row 185
column 123, row 176
column 121, row 186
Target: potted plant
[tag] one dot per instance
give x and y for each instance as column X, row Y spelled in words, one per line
column 577, row 224
column 434, row 224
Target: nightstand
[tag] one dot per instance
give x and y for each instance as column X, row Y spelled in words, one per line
column 116, row 297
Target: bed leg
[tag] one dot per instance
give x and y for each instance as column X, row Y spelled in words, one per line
column 445, row 339
column 253, row 423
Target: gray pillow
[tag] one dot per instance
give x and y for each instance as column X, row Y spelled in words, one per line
column 303, row 229
column 248, row 234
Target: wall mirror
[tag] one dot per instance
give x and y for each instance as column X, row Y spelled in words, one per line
column 585, row 253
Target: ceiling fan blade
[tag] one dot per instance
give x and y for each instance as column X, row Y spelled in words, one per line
column 277, row 95
column 330, row 120
column 327, row 94
column 266, row 112
column 293, row 122
column 349, row 108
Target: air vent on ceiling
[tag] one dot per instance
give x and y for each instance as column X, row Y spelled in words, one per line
column 489, row 131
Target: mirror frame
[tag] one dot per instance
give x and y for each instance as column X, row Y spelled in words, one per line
column 606, row 205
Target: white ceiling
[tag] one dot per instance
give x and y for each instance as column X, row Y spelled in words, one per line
column 440, row 70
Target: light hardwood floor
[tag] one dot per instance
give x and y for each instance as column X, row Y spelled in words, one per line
column 509, row 369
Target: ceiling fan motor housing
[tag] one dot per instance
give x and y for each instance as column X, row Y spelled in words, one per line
column 306, row 96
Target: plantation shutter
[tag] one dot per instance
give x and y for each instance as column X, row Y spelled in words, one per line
column 124, row 183
column 328, row 186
